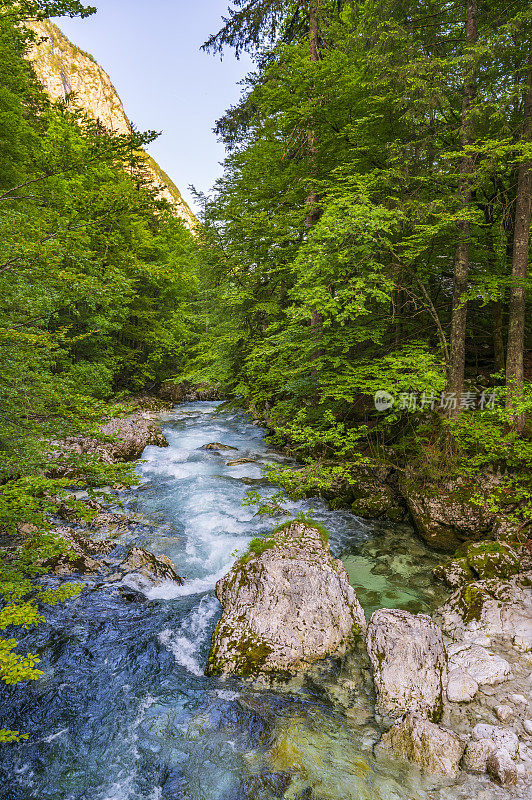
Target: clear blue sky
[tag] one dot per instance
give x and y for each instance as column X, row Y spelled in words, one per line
column 150, row 48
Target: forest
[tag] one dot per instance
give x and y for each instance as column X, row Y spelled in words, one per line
column 357, row 281
column 371, row 234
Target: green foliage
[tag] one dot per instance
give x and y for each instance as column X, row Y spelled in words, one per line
column 308, row 315
column 95, row 276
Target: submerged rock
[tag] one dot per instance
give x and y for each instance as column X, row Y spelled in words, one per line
column 217, row 446
column 285, row 604
column 409, row 662
column 434, row 749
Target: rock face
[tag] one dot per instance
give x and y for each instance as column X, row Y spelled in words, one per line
column 409, row 662
column 188, row 392
column 445, row 515
column 285, row 604
column 64, row 69
column 491, row 608
column 433, row 748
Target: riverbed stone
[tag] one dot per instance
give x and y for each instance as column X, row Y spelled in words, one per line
column 493, row 559
column 501, row 767
column 433, row 748
column 476, row 755
column 409, row 662
column 480, row 664
column 501, row 737
column 504, row 713
column 285, row 604
column 461, row 687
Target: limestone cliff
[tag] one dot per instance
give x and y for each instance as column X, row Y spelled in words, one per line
column 65, row 70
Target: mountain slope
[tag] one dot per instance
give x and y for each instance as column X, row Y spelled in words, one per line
column 65, row 69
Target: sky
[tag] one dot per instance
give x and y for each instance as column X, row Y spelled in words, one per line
column 151, row 51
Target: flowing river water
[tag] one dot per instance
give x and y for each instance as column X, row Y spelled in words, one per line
column 124, row 711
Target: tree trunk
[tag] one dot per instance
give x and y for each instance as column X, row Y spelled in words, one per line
column 455, row 378
column 517, row 308
column 498, row 336
column 312, row 214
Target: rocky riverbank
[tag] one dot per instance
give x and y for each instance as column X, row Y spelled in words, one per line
column 452, row 691
column 91, row 548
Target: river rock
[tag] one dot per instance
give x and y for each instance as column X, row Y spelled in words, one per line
column 130, row 436
column 188, row 392
column 142, row 562
column 433, row 748
column 493, row 560
column 476, row 755
column 447, row 514
column 500, row 737
column 504, row 713
column 461, row 687
column 80, row 553
column 454, row 574
column 492, row 608
column 285, row 604
column 409, row 662
column 502, row 768
column 480, row 664
column 133, row 435
column 217, row 446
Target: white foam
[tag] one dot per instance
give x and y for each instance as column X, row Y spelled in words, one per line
column 185, row 643
column 49, row 739
column 170, row 590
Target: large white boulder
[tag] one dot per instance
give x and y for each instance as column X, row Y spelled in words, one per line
column 285, row 604
column 409, row 662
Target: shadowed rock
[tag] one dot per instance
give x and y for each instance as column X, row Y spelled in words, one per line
column 434, row 749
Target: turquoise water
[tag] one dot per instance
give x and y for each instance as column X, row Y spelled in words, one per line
column 124, row 711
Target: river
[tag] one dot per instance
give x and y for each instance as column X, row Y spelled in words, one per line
column 124, row 711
